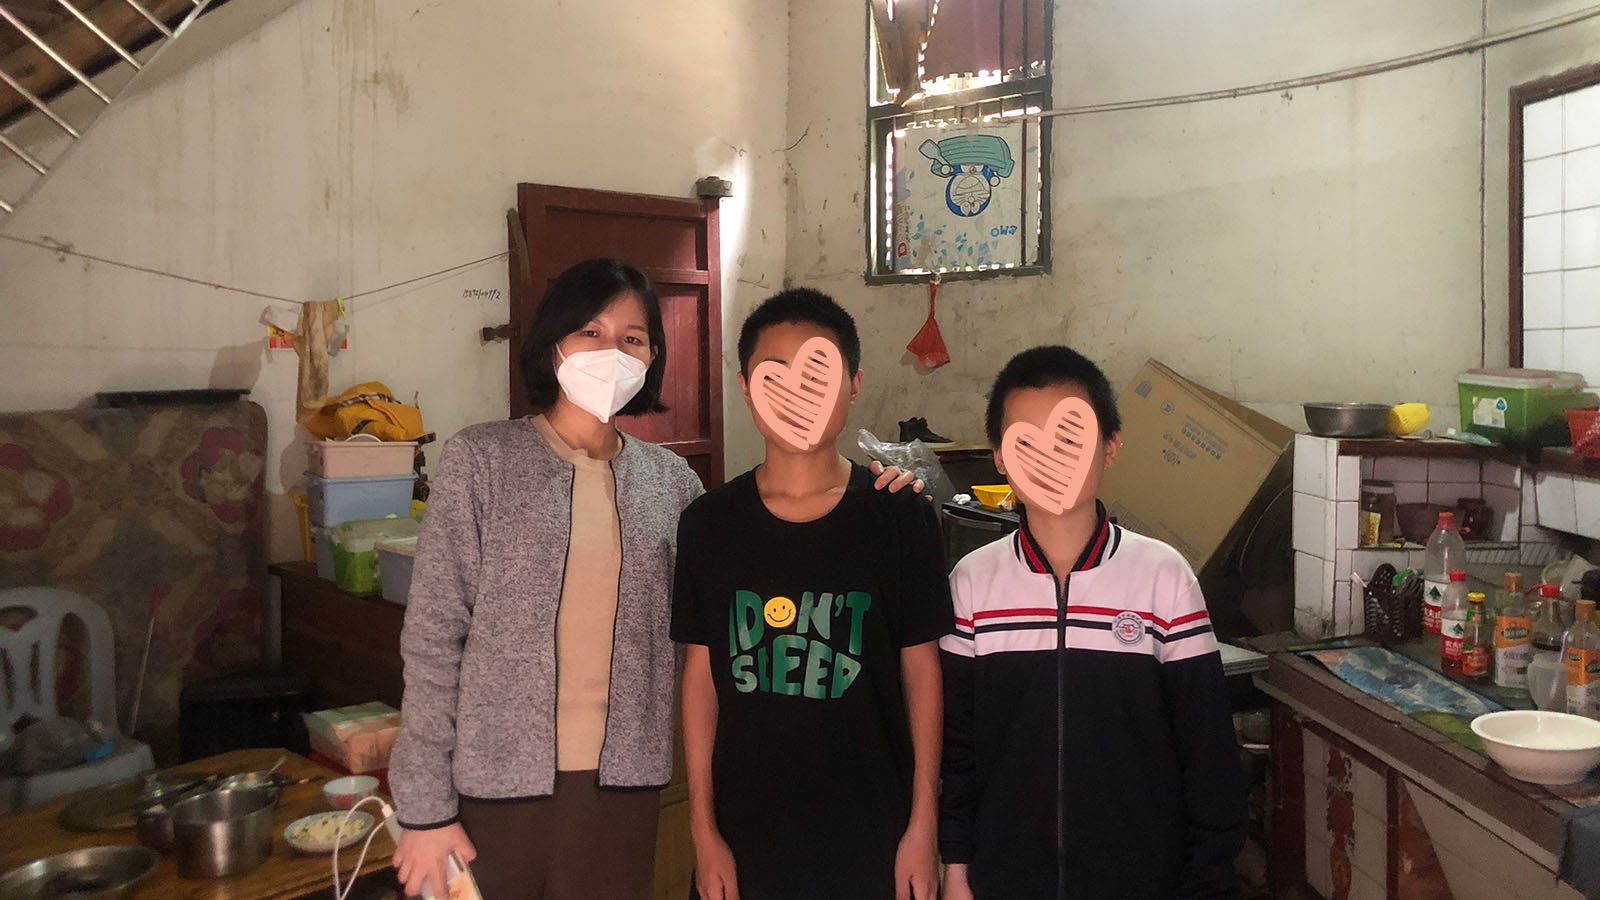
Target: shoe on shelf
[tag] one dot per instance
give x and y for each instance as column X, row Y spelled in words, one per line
column 916, row 429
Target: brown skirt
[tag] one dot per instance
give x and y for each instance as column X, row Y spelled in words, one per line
column 580, row 843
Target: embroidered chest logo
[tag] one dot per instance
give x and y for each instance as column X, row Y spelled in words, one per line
column 1128, row 627
column 810, row 648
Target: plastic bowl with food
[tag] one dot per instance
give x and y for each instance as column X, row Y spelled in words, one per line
column 325, row 832
column 346, row 792
column 1538, row 746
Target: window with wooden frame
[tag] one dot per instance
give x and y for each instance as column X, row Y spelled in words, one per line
column 958, row 161
column 1555, row 223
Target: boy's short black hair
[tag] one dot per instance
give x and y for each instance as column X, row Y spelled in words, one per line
column 801, row 305
column 573, row 300
column 1046, row 367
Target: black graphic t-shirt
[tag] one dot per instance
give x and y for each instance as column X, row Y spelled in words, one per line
column 804, row 622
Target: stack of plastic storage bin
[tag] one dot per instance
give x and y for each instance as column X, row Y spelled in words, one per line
column 358, row 492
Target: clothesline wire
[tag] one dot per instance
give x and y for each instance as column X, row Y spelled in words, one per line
column 68, row 251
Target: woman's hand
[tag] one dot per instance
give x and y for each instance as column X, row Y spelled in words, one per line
column 892, row 479
column 916, row 865
column 421, row 857
column 714, row 874
column 955, row 882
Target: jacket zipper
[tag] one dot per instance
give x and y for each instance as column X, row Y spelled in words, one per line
column 611, row 665
column 1061, row 735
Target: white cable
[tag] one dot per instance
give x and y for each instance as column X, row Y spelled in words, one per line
column 361, row 860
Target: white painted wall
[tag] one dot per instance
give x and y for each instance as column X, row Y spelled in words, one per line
column 1342, row 242
column 352, row 143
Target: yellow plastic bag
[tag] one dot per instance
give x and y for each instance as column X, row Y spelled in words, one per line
column 367, row 408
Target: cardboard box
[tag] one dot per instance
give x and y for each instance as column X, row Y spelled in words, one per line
column 1199, row 471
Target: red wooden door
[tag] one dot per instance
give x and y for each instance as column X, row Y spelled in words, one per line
column 674, row 242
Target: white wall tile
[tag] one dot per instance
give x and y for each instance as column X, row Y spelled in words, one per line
column 1580, row 239
column 1313, row 525
column 1580, row 297
column 1541, row 350
column 1372, row 792
column 1582, row 112
column 1400, row 468
column 1311, row 455
column 1313, row 613
column 1347, row 614
column 1457, row 471
column 1541, row 243
column 1318, row 867
column 1541, row 185
column 1497, row 472
column 1580, row 352
column 1580, row 178
column 1343, row 565
column 1541, row 300
column 1557, row 507
column 1367, row 464
column 1506, row 502
column 1370, row 854
column 1345, row 534
column 1586, row 503
column 1411, row 492
column 1347, row 482
column 1449, row 494
column 1541, row 128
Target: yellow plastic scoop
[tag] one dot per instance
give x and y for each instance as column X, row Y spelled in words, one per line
column 1408, row 418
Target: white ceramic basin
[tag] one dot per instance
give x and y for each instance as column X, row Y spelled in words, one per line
column 1538, row 746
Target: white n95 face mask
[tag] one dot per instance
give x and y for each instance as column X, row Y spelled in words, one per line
column 600, row 382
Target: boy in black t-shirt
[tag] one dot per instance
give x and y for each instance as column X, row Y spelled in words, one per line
column 1089, row 751
column 810, row 605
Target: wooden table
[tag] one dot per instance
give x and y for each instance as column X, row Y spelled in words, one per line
column 35, row 833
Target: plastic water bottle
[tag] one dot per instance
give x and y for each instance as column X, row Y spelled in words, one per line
column 1445, row 553
column 1453, row 625
column 1513, row 636
column 1581, row 651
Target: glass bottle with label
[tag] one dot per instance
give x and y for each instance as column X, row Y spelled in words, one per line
column 1513, row 635
column 1453, row 623
column 1445, row 553
column 1581, row 652
column 1477, row 640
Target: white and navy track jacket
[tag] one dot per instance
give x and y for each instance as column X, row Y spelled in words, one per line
column 1089, row 750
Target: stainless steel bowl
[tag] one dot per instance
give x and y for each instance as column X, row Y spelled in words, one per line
column 1348, row 420
column 271, row 782
column 93, row 873
column 223, row 832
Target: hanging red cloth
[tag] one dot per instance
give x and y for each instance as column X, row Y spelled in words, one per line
column 928, row 346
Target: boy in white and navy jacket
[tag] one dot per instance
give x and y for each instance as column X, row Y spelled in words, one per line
column 1089, row 750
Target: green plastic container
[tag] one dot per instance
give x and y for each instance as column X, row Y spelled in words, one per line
column 1522, row 407
column 354, row 546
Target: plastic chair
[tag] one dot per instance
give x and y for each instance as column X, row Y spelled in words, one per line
column 32, row 648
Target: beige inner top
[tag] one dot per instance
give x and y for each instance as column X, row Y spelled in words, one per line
column 588, row 608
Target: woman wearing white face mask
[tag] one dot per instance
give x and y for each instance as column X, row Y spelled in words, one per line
column 539, row 675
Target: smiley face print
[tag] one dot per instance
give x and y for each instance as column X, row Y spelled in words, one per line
column 779, row 612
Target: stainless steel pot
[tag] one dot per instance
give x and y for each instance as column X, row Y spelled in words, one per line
column 93, row 873
column 223, row 832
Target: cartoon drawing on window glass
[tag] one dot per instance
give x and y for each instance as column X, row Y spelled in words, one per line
column 973, row 164
column 964, row 196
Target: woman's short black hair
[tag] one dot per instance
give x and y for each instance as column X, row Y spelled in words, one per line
column 1046, row 367
column 573, row 300
column 801, row 305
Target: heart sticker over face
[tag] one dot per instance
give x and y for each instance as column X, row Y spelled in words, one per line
column 1048, row 466
column 796, row 400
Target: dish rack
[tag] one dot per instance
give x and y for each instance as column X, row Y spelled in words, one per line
column 1392, row 614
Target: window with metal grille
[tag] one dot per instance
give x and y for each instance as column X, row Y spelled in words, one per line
column 958, row 163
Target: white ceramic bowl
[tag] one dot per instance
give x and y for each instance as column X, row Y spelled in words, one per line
column 343, row 793
column 1538, row 746
column 320, row 832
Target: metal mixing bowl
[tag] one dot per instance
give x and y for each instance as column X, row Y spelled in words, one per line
column 1348, row 420
column 93, row 873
